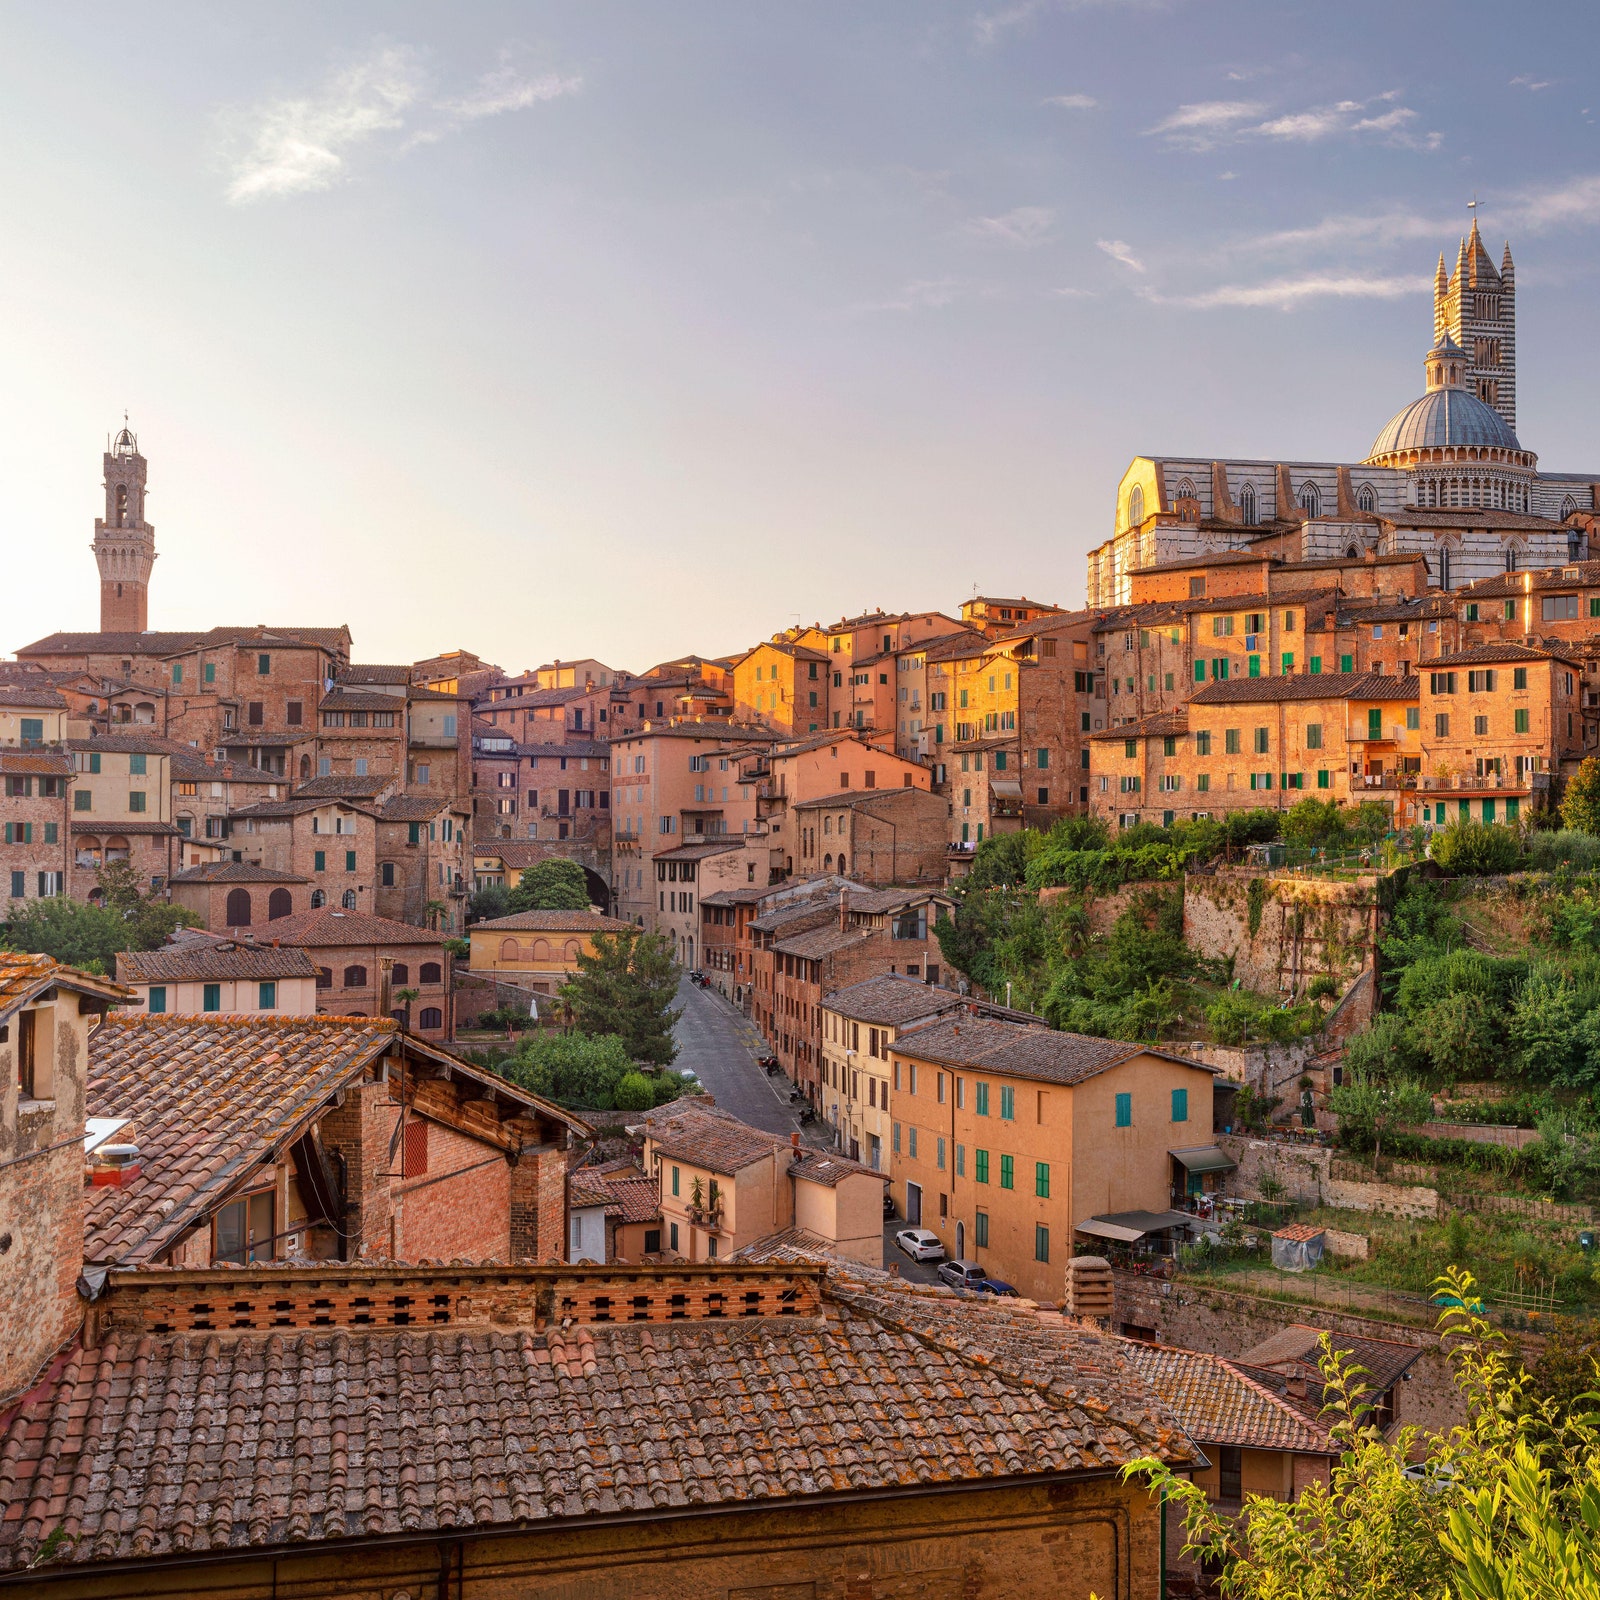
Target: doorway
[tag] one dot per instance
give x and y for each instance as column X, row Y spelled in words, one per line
column 914, row 1204
column 961, row 1241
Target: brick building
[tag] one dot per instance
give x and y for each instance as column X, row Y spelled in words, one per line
column 784, row 684
column 324, row 1137
column 364, row 961
column 1262, row 742
column 876, row 836
column 1028, row 1493
column 235, row 895
column 330, row 840
column 687, row 872
column 36, row 841
column 533, row 952
column 46, row 1013
column 121, row 811
column 727, row 942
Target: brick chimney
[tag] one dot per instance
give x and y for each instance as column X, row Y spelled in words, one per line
column 844, row 910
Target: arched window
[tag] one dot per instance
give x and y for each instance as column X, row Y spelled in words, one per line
column 238, row 908
column 401, row 976
column 432, row 1017
column 1444, row 567
column 1511, row 558
column 510, row 950
column 324, row 978
column 318, row 899
column 122, row 505
column 842, row 866
column 1247, row 504
column 1135, row 505
column 1367, row 498
column 305, row 768
column 355, row 977
column 431, row 973
column 280, row 903
column 572, row 949
column 1351, row 553
column 1185, row 489
column 1568, row 506
column 348, row 900
column 827, row 862
column 1309, row 498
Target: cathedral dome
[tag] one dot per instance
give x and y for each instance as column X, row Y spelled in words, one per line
column 1441, row 418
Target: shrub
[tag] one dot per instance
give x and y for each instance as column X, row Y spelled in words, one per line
column 634, row 1092
column 1230, row 1017
column 1564, row 848
column 1580, row 805
column 1471, row 849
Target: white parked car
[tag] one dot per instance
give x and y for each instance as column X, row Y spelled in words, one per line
column 920, row 1244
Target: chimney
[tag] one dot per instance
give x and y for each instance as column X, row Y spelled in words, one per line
column 844, row 910
column 385, row 974
column 794, row 1143
column 1295, row 1385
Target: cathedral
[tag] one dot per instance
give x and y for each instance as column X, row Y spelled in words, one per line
column 1446, row 477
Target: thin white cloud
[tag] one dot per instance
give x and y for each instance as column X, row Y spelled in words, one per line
column 1024, row 227
column 1202, row 125
column 920, row 294
column 1574, row 204
column 1206, row 124
column 301, row 145
column 1120, row 250
column 991, row 25
column 1528, row 81
column 1286, row 293
column 304, row 144
column 1073, row 102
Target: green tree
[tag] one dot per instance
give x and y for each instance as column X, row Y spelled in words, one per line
column 1368, row 1107
column 1504, row 1506
column 553, row 885
column 626, row 988
column 1312, row 822
column 85, row 936
column 1580, row 805
column 1002, row 858
column 586, row 1072
column 492, row 900
column 151, row 921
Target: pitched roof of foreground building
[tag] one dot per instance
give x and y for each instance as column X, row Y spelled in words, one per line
column 201, row 959
column 332, row 927
column 1025, row 1050
column 526, row 1407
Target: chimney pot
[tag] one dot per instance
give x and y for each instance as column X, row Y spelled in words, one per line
column 794, row 1141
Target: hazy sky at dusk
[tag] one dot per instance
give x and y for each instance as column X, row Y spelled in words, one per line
column 624, row 330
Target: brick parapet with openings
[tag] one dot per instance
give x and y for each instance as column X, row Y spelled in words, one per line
column 339, row 1295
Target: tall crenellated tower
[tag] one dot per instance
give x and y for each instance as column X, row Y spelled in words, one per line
column 1477, row 307
column 124, row 543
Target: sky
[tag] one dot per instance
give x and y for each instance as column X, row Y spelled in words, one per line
column 623, row 330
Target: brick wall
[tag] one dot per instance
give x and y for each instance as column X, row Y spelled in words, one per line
column 359, row 1132
column 460, row 1208
column 41, row 1202
column 538, row 1200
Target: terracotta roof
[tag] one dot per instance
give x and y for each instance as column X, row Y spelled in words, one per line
column 828, row 1168
column 1299, row 1233
column 875, row 901
column 1025, row 1051
column 1469, row 517
column 208, row 960
column 706, row 1136
column 234, row 872
column 1298, row 1345
column 1488, row 654
column 400, row 1432
column 858, row 797
column 626, row 1193
column 419, row 807
column 1307, row 686
column 49, row 763
column 1159, row 723
column 781, row 916
column 127, row 825
column 719, row 732
column 552, row 922
column 1220, row 1405
column 351, row 788
column 23, row 977
column 164, row 644
column 889, row 1000
column 812, row 944
column 329, row 927
column 210, row 1098
column 42, row 698
column 342, row 697
column 699, row 852
column 375, row 672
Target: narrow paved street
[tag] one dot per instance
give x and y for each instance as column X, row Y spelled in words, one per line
column 720, row 1047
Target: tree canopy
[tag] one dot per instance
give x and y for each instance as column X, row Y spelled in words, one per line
column 587, row 1072
column 1580, row 805
column 553, row 885
column 626, row 988
column 89, row 936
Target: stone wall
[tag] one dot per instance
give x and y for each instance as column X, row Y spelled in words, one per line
column 1355, row 1246
column 1307, row 926
column 1306, row 1173
column 1196, row 1317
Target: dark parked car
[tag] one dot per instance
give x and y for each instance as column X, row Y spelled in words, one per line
column 998, row 1286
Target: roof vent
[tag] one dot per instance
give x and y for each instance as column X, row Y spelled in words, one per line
column 114, row 1165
